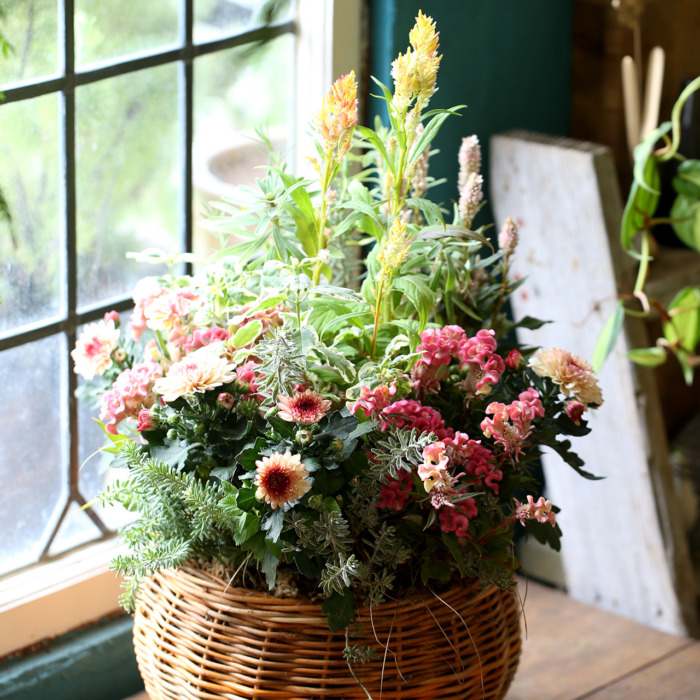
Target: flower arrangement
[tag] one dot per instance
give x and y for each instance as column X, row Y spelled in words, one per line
column 337, row 397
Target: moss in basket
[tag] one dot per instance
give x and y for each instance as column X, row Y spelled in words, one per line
column 274, row 416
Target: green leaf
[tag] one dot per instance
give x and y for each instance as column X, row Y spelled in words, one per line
column 272, row 524
column 683, row 327
column 685, row 216
column 531, row 323
column 451, row 231
column 641, row 203
column 643, row 154
column 430, row 132
column 339, row 609
column 247, row 334
column 608, row 337
column 687, row 178
column 648, row 357
column 418, row 294
column 174, row 454
column 374, row 139
column 269, row 568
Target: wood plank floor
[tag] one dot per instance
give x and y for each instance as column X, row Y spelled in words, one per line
column 576, row 652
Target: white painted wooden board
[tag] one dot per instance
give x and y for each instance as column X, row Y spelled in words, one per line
column 623, row 547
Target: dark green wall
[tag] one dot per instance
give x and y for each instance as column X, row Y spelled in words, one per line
column 507, row 60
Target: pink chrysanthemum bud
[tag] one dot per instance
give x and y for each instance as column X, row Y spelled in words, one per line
column 575, row 409
column 514, row 360
column 119, row 355
column 112, row 316
column 225, row 399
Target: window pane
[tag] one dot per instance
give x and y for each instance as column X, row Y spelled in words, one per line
column 112, row 28
column 76, row 529
column 30, row 240
column 235, row 92
column 32, row 435
column 215, row 18
column 31, row 27
column 128, row 177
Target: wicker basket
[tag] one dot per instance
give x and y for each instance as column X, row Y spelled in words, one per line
column 196, row 638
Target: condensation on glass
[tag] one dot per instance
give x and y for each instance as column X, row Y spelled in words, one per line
column 33, row 465
column 31, row 266
column 128, row 179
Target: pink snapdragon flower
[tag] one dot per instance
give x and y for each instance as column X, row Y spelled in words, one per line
column 408, row 414
column 92, row 354
column 146, row 422
column 484, row 366
column 373, row 401
column 200, row 337
column 160, row 308
column 511, row 424
column 132, row 391
column 540, row 510
column 440, row 345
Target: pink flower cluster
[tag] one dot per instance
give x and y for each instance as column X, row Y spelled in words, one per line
column 160, row 308
column 200, row 337
column 373, row 401
column 132, row 391
column 396, row 492
column 511, row 424
column 408, row 414
column 477, row 355
column 457, row 519
column 485, row 367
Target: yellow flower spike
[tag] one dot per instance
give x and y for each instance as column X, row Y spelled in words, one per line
column 395, row 249
column 338, row 116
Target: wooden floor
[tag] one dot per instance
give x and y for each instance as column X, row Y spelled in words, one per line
column 573, row 651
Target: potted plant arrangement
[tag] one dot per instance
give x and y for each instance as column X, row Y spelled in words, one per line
column 329, row 475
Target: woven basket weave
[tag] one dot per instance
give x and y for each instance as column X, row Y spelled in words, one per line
column 197, row 638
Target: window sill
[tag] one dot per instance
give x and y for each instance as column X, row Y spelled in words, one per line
column 53, row 598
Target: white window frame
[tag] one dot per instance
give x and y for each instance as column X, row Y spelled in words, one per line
column 78, row 588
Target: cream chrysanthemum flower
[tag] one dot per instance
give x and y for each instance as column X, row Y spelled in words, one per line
column 281, row 479
column 574, row 375
column 305, row 407
column 200, row 371
column 93, row 350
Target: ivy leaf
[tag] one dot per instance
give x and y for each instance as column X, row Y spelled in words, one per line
column 339, row 610
column 685, row 214
column 648, row 357
column 683, row 328
column 608, row 337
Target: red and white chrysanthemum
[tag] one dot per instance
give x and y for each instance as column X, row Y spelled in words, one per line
column 281, row 479
column 93, row 350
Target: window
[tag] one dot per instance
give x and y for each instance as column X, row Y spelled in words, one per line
column 119, row 118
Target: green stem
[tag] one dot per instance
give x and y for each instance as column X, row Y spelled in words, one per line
column 377, row 310
column 643, row 271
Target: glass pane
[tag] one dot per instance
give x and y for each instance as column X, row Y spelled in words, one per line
column 111, row 28
column 31, row 28
column 216, row 18
column 32, row 439
column 30, row 237
column 76, row 529
column 128, row 177
column 235, row 92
